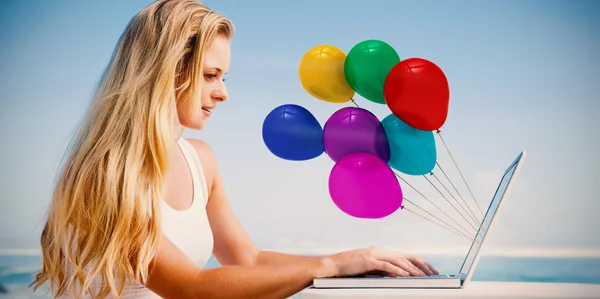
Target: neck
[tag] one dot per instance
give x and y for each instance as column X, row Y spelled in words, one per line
column 179, row 131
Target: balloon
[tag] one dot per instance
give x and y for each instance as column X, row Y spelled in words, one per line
column 412, row 151
column 416, row 91
column 363, row 186
column 351, row 130
column 367, row 65
column 292, row 133
column 321, row 74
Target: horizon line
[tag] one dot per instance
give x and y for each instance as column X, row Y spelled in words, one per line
column 549, row 252
column 554, row 252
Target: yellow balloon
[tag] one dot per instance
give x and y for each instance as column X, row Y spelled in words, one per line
column 321, row 74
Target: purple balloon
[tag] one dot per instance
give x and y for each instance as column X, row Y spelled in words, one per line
column 355, row 130
column 364, row 186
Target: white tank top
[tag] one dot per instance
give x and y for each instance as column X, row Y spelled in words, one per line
column 189, row 229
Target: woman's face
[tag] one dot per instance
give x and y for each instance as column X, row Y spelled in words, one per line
column 215, row 65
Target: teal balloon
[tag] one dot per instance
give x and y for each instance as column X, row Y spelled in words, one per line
column 412, row 151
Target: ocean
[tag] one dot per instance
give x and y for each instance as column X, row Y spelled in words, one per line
column 16, row 272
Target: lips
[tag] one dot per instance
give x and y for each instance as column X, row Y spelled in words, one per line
column 207, row 111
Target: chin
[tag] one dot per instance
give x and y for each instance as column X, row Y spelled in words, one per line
column 196, row 124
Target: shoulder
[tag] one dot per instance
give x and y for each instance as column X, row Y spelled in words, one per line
column 202, row 148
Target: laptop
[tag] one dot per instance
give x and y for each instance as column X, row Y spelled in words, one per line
column 452, row 281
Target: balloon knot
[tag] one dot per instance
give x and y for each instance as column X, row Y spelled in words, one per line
column 431, row 173
column 438, row 131
column 402, row 207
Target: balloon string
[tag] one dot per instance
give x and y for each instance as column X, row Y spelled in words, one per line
column 456, row 200
column 433, row 155
column 355, row 104
column 466, row 230
column 438, row 190
column 457, row 192
column 444, row 196
column 448, row 227
column 461, row 175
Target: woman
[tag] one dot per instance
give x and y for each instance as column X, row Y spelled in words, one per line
column 138, row 210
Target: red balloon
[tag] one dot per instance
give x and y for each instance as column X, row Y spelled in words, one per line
column 417, row 92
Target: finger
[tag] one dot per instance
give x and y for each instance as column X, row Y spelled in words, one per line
column 424, row 268
column 435, row 271
column 389, row 268
column 400, row 260
column 424, row 264
column 405, row 264
column 414, row 270
column 421, row 264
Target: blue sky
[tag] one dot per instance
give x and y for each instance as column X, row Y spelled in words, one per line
column 524, row 75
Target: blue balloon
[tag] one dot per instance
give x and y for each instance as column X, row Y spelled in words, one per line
column 291, row 132
column 412, row 151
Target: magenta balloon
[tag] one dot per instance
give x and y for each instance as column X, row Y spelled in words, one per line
column 364, row 186
column 354, row 130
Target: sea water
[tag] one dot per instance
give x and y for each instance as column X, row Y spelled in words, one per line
column 17, row 272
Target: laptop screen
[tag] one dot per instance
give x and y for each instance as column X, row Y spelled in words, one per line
column 492, row 209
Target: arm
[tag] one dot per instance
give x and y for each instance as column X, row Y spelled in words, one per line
column 233, row 246
column 272, row 257
column 173, row 275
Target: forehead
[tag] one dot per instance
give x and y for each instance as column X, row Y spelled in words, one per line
column 218, row 54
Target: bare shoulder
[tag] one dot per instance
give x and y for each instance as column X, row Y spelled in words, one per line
column 202, row 148
column 207, row 159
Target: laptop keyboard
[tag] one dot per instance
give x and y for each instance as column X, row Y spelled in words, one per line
column 428, row 276
column 435, row 276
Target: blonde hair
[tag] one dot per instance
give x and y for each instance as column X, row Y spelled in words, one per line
column 104, row 219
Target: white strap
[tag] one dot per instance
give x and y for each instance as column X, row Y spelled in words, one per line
column 197, row 171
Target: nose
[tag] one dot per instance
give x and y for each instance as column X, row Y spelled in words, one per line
column 220, row 94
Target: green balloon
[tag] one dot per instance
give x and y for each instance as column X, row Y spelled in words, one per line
column 366, row 67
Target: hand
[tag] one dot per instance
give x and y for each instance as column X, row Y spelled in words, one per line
column 372, row 259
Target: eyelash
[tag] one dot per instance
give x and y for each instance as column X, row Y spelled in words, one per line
column 212, row 76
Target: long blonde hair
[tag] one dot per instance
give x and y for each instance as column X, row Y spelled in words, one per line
column 104, row 219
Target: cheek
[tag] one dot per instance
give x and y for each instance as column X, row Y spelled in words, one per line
column 205, row 96
column 189, row 115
